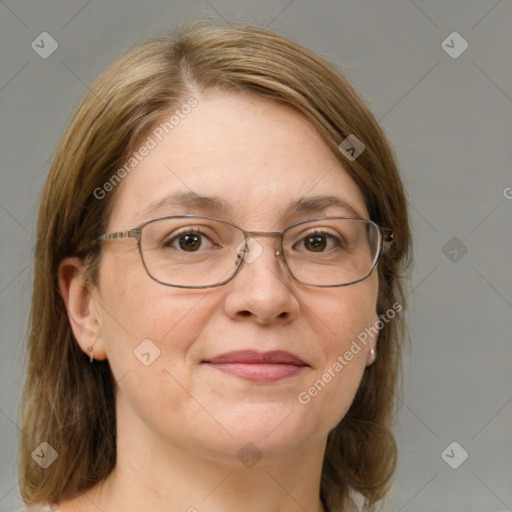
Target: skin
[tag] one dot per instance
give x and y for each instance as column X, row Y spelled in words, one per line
column 181, row 422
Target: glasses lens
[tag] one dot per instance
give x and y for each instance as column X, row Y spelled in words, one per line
column 201, row 252
column 330, row 252
column 191, row 251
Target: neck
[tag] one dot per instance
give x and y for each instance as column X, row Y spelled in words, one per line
column 197, row 486
column 153, row 473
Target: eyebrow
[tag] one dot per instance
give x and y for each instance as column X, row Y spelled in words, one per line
column 318, row 203
column 215, row 205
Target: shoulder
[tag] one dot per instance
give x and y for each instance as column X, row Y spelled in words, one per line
column 37, row 508
column 351, row 506
column 355, row 502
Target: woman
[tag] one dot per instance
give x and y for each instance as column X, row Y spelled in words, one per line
column 218, row 306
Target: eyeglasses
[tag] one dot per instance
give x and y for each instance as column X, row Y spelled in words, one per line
column 189, row 251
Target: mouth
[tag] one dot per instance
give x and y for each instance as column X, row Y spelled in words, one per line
column 257, row 366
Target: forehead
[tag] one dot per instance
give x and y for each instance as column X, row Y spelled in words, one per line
column 256, row 158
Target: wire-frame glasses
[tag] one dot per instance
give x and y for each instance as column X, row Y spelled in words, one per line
column 190, row 251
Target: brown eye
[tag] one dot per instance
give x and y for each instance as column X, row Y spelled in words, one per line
column 316, row 243
column 319, row 242
column 190, row 242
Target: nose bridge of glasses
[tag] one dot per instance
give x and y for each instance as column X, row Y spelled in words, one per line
column 263, row 234
column 275, row 234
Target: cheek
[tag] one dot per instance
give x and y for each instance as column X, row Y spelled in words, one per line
column 345, row 312
column 149, row 333
column 141, row 316
column 344, row 318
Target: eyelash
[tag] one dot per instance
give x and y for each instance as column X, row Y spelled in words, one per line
column 182, row 232
column 338, row 240
column 330, row 236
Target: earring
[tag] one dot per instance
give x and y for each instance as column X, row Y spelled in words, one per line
column 91, row 351
column 373, row 352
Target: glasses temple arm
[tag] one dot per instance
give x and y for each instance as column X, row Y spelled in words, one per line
column 131, row 233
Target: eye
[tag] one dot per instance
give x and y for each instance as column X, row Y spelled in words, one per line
column 191, row 240
column 319, row 242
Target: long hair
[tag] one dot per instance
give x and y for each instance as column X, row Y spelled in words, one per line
column 69, row 403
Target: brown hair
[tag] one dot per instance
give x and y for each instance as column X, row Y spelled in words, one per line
column 70, row 403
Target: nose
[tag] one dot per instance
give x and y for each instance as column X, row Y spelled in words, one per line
column 262, row 289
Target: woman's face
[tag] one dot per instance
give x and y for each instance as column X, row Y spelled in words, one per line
column 258, row 157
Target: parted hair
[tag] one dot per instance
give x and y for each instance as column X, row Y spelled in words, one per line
column 70, row 403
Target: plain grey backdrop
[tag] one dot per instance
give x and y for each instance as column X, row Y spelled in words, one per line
column 448, row 112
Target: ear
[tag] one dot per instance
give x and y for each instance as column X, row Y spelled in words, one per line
column 371, row 355
column 83, row 311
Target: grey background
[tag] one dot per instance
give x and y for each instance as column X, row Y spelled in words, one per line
column 450, row 122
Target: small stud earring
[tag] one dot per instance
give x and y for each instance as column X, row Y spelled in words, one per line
column 373, row 352
column 90, row 350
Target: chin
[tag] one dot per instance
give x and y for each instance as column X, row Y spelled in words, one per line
column 271, row 427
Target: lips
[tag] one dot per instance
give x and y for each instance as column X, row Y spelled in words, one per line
column 251, row 365
column 254, row 357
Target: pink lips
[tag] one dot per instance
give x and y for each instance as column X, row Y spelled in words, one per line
column 259, row 367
